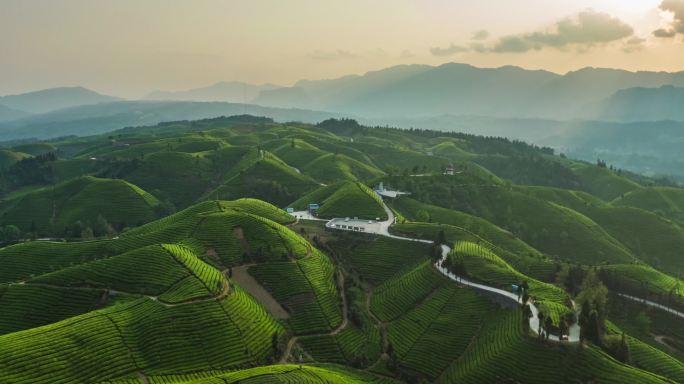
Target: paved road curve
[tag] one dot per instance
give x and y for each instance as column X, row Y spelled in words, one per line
column 653, row 304
column 383, row 230
column 574, row 331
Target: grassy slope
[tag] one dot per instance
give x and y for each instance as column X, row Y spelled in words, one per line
column 141, row 335
column 22, row 261
column 83, row 199
column 268, row 179
column 287, row 373
column 9, row 157
column 345, row 199
column 649, row 237
column 481, row 264
column 462, row 226
column 183, row 176
column 668, row 202
column 502, row 349
column 602, row 182
column 551, row 228
column 336, row 167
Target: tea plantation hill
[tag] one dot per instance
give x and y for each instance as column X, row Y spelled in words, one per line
column 159, row 298
column 268, row 374
column 263, row 175
column 86, row 199
column 417, row 312
column 664, row 201
column 222, row 287
column 9, row 158
column 344, row 199
column 190, row 321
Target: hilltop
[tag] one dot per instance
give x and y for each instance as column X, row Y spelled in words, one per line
column 52, row 99
column 201, row 275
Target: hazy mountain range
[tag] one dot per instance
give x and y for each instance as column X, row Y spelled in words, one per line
column 422, row 91
column 229, row 91
column 104, row 117
column 52, row 99
column 7, row 113
column 460, row 89
column 634, row 119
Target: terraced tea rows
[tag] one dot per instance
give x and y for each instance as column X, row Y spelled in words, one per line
column 53, row 210
column 141, row 335
column 28, row 306
column 501, row 351
column 486, row 266
column 284, row 373
column 381, row 258
column 428, row 338
column 345, row 199
column 398, row 295
column 306, row 288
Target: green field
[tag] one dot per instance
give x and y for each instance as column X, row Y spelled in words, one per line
column 345, row 199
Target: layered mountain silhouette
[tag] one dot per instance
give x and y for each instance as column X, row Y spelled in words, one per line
column 54, row 98
column 230, row 91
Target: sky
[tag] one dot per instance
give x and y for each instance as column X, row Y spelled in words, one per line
column 128, row 48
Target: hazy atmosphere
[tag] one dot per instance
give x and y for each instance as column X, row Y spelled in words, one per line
column 129, row 48
column 342, row 192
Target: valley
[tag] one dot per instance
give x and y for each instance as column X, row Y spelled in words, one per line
column 196, row 272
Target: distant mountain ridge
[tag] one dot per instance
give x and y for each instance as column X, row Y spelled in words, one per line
column 52, row 99
column 645, row 104
column 229, row 91
column 461, row 89
column 8, row 114
column 93, row 119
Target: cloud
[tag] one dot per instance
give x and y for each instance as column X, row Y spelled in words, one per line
column 406, row 54
column 634, row 44
column 448, row 51
column 583, row 31
column 479, row 47
column 676, row 8
column 514, row 44
column 482, row 34
column 664, row 33
column 332, row 55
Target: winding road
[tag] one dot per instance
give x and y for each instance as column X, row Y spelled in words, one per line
column 653, row 304
column 573, row 335
column 383, row 230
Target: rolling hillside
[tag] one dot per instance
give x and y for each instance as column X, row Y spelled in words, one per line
column 205, row 289
column 86, row 200
column 9, row 158
column 344, row 199
column 667, row 202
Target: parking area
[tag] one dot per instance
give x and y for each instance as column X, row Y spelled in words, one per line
column 356, row 225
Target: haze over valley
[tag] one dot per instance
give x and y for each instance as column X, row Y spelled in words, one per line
column 384, row 192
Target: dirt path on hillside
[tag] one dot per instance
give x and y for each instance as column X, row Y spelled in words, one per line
column 251, row 285
column 345, row 320
column 345, row 306
column 288, row 349
column 240, row 235
column 381, row 325
column 143, row 377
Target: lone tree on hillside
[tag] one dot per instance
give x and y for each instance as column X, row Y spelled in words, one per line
column 593, row 298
